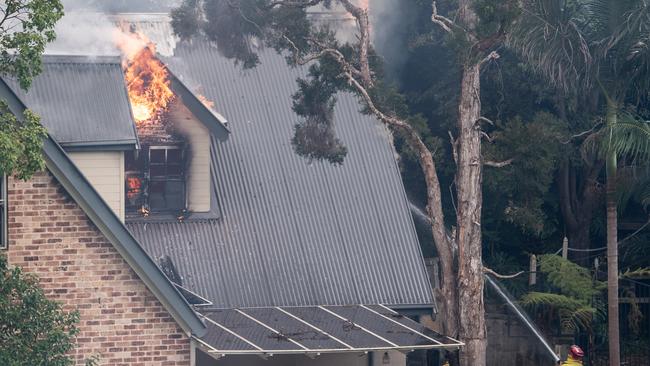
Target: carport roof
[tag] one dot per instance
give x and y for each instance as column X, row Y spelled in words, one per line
column 314, row 330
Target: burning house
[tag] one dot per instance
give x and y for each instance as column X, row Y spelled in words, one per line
column 184, row 239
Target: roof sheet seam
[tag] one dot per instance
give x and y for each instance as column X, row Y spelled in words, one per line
column 271, row 329
column 233, row 333
column 314, row 327
column 400, row 324
column 360, row 327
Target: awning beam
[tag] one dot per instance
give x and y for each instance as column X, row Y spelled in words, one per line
column 315, row 330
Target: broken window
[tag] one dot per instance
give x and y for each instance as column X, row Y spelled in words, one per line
column 166, row 184
column 155, row 179
column 3, row 212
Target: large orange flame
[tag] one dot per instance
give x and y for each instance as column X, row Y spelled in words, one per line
column 146, row 77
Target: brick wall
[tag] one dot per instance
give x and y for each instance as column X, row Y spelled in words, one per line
column 121, row 320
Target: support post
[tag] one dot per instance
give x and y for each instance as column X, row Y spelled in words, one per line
column 532, row 278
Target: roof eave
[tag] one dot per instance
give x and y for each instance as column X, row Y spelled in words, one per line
column 212, row 120
column 109, row 224
column 122, row 145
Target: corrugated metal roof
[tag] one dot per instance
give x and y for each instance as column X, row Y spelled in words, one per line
column 313, row 330
column 293, row 232
column 82, row 101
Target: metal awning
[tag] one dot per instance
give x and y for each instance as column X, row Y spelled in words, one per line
column 313, row 330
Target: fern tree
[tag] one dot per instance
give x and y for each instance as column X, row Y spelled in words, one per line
column 570, row 294
column 601, row 46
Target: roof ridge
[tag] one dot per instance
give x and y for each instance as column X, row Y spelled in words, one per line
column 85, row 59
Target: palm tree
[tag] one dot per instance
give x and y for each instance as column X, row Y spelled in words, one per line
column 602, row 46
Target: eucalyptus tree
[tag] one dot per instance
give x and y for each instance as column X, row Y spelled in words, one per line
column 475, row 28
column 597, row 47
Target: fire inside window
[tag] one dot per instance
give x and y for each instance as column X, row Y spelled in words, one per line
column 155, row 179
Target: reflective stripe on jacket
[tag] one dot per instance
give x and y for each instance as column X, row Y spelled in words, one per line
column 572, row 362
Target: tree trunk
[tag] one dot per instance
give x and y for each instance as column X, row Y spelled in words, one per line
column 468, row 182
column 579, row 197
column 579, row 238
column 612, row 249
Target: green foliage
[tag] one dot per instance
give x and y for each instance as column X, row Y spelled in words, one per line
column 571, row 294
column 27, row 26
column 20, row 143
column 496, row 17
column 550, row 300
column 628, row 138
column 314, row 136
column 525, row 183
column 569, row 278
column 33, row 329
column 637, row 273
column 232, row 23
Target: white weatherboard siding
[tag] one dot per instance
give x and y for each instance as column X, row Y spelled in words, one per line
column 105, row 171
column 198, row 173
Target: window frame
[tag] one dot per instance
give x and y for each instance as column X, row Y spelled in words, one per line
column 148, row 179
column 4, row 212
column 165, row 178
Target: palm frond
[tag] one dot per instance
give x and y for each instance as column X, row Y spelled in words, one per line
column 633, row 186
column 547, row 300
column 643, row 196
column 584, row 317
column 628, row 138
column 549, row 37
column 637, row 273
column 619, row 34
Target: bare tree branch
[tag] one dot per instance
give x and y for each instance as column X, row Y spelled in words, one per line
column 434, row 196
column 445, row 23
column 492, row 56
column 485, row 119
column 498, row 164
column 487, row 137
column 497, row 275
column 583, row 133
column 363, row 22
column 296, row 4
column 324, row 50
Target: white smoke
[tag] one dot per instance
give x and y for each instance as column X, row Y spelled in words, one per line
column 84, row 33
column 90, row 27
column 389, row 20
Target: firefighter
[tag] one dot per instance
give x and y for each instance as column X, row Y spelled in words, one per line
column 575, row 356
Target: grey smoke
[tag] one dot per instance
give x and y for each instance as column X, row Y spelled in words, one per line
column 84, row 33
column 390, row 20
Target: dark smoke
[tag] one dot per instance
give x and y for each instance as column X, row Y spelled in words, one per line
column 390, row 26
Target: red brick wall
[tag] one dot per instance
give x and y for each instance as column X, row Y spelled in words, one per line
column 121, row 320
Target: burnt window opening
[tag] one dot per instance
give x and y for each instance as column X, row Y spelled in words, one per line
column 155, row 179
column 3, row 212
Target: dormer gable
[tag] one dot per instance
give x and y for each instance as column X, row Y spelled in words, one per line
column 171, row 173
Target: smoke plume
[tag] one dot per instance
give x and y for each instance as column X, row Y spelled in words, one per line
column 389, row 21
